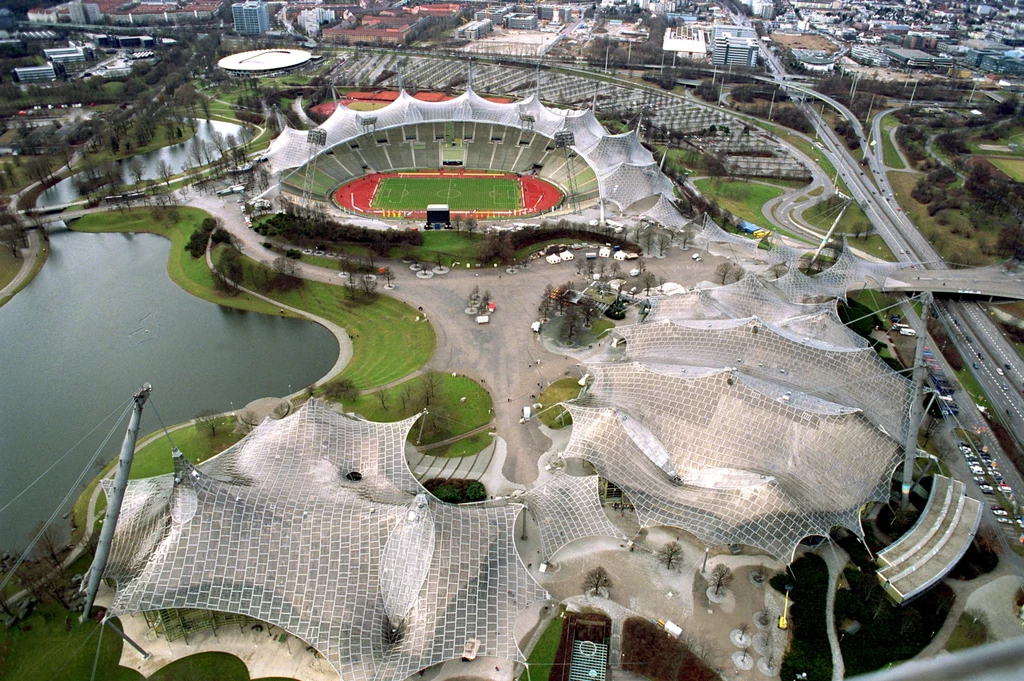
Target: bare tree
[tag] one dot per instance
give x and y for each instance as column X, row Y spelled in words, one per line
column 721, row 578
column 778, row 269
column 136, row 170
column 703, row 648
column 430, row 383
column 369, row 285
column 589, row 311
column 722, row 271
column 50, row 548
column 595, row 579
column 648, row 281
column 207, row 420
column 248, row 419
column 685, row 235
column 12, row 238
column 382, row 397
column 663, row 240
column 670, row 555
column 389, row 276
column 736, row 273
column 163, row 169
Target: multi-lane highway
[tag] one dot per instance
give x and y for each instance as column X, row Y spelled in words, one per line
column 969, row 326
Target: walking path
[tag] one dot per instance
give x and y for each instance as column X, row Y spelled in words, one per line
column 344, row 342
column 29, row 256
column 836, row 559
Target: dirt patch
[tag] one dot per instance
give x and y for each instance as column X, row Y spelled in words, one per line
column 804, row 42
column 981, row 161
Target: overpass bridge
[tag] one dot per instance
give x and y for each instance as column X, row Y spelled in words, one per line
column 995, row 282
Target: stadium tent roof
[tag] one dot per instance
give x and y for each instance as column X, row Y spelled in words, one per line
column 749, row 297
column 730, row 456
column 568, row 508
column 264, row 61
column 743, row 418
column 626, row 171
column 851, row 376
column 379, row 577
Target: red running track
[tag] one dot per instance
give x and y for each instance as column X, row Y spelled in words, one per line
column 538, row 196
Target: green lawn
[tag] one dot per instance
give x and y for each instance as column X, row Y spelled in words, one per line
column 457, row 417
column 189, row 273
column 969, row 632
column 128, row 148
column 390, row 340
column 194, row 441
column 559, row 391
column 955, row 248
column 9, row 267
column 460, row 193
column 889, row 153
column 1014, row 167
column 444, row 244
column 542, row 657
column 467, row 446
column 45, row 648
column 742, row 199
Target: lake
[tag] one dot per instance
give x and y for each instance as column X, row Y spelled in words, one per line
column 176, row 155
column 100, row 319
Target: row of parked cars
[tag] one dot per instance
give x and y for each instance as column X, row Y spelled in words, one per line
column 982, row 464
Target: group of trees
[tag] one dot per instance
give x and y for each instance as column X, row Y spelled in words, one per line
column 44, row 574
column 300, row 229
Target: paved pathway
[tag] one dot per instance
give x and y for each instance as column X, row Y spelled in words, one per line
column 836, row 559
column 28, row 256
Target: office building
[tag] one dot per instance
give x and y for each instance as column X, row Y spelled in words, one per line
column 35, row 74
column 251, row 17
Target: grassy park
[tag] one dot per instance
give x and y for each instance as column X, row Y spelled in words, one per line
column 561, row 390
column 390, row 340
column 451, row 414
column 52, row 645
column 741, row 198
column 889, row 154
column 542, row 657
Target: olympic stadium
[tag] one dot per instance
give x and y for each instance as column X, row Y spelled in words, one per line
column 740, row 415
column 562, row 159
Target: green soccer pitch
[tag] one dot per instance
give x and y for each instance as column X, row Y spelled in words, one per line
column 460, row 193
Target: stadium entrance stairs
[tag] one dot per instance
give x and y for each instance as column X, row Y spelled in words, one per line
column 934, row 545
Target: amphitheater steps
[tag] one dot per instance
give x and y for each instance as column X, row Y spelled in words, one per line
column 934, row 545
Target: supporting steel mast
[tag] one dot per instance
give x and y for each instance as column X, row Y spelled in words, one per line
column 916, row 404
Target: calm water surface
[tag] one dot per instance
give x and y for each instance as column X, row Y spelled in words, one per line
column 100, row 319
column 176, row 155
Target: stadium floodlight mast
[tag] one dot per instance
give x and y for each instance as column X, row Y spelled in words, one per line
column 316, row 139
column 564, row 140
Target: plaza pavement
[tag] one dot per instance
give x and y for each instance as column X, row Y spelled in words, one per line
column 505, row 356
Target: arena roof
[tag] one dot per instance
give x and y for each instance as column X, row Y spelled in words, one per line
column 626, row 171
column 377, row 575
column 741, row 430
column 264, row 61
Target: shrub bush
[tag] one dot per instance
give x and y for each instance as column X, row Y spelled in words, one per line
column 647, row 650
column 810, row 651
column 456, row 490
